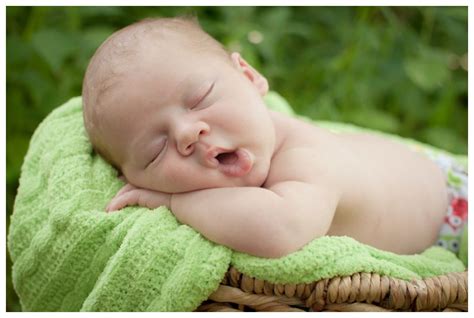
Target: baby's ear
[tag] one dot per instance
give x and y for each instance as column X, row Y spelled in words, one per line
column 252, row 74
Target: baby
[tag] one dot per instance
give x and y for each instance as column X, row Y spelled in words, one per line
column 185, row 123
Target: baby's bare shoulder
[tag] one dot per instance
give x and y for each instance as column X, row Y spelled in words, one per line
column 308, row 154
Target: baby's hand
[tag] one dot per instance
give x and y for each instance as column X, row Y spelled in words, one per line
column 131, row 195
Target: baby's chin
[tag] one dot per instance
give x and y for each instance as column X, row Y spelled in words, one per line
column 254, row 179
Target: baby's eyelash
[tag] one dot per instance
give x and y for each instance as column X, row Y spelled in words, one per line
column 204, row 96
column 155, row 157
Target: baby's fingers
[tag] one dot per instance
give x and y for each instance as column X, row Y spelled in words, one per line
column 122, row 200
column 152, row 199
column 146, row 198
column 125, row 188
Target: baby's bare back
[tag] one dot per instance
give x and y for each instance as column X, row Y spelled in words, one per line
column 391, row 197
column 398, row 198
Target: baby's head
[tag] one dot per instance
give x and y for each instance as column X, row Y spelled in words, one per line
column 174, row 112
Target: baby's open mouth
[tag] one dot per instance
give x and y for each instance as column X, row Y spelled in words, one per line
column 227, row 158
column 236, row 163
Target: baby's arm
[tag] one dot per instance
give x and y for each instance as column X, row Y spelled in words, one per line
column 263, row 222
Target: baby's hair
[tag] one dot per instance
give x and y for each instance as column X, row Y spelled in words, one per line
column 107, row 64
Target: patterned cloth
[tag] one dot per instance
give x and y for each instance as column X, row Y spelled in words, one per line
column 455, row 221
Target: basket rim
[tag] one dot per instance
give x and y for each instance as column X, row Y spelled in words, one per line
column 362, row 291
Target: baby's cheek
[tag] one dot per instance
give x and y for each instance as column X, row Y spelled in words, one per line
column 187, row 177
column 173, row 178
column 168, row 175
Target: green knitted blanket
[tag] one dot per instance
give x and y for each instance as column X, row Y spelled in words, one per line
column 69, row 255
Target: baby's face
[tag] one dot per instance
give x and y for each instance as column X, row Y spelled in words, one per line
column 182, row 121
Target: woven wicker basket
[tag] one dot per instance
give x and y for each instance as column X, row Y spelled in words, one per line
column 358, row 292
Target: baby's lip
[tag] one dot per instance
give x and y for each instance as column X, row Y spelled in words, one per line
column 211, row 154
column 242, row 164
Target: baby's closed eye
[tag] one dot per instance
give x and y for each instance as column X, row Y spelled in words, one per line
column 198, row 100
column 158, row 151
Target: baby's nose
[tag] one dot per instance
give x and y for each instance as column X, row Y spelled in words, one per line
column 189, row 135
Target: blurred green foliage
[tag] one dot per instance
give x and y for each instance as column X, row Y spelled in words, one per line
column 402, row 70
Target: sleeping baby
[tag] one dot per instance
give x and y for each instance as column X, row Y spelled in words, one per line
column 185, row 124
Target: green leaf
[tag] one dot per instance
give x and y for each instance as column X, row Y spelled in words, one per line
column 18, row 51
column 428, row 70
column 54, row 46
column 375, row 119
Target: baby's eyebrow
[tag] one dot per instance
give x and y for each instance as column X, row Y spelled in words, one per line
column 186, row 84
column 198, row 87
column 190, row 88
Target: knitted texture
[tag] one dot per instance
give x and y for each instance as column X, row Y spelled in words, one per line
column 69, row 255
column 331, row 256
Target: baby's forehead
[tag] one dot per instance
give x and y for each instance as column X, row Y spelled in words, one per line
column 129, row 47
column 145, row 34
column 173, row 35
